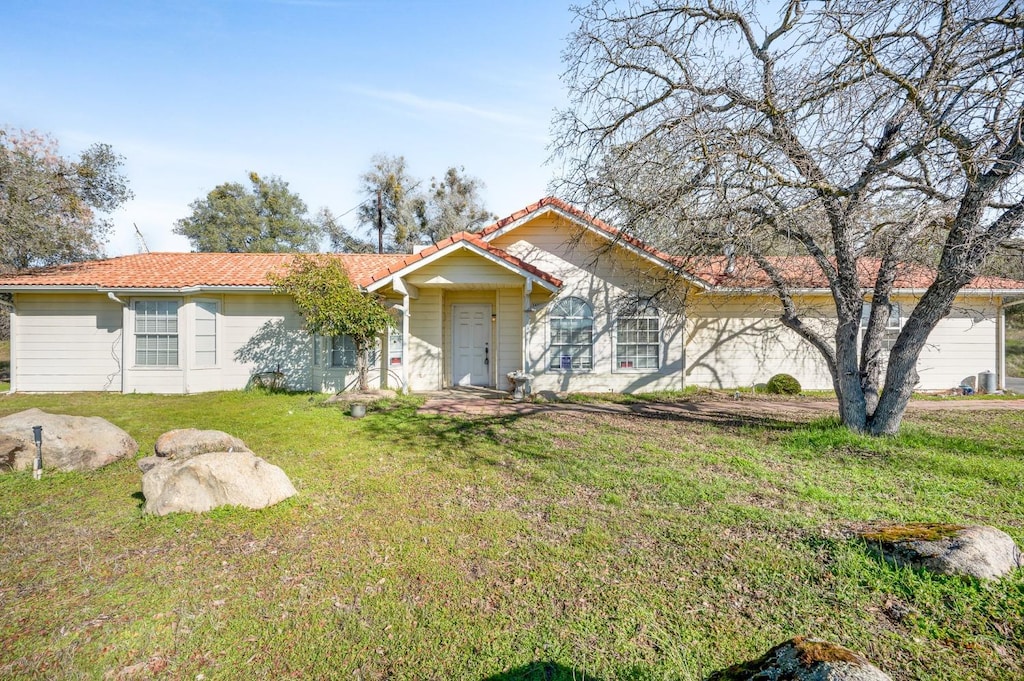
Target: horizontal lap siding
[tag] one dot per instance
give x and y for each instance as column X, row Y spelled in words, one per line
column 961, row 345
column 603, row 277
column 738, row 343
column 264, row 333
column 67, row 342
column 510, row 334
column 423, row 355
column 464, row 268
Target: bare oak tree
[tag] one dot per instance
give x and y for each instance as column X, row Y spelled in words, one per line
column 835, row 130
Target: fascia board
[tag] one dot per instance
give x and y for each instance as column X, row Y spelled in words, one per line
column 448, row 250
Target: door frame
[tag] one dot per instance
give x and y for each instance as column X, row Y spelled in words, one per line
column 488, row 316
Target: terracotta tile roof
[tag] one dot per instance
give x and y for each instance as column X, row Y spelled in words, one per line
column 467, row 237
column 803, row 272
column 181, row 270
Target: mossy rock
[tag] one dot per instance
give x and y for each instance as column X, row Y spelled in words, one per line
column 804, row 659
column 974, row 551
column 899, row 532
column 783, row 384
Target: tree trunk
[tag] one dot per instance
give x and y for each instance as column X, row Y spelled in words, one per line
column 850, row 392
column 362, row 368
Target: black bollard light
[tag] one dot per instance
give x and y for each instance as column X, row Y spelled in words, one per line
column 37, row 437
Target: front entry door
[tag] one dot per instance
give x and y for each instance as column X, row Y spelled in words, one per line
column 471, row 340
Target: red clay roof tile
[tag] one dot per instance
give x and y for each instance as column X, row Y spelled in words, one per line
column 182, row 270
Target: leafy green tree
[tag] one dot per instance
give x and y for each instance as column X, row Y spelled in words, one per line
column 390, row 203
column 49, row 203
column 266, row 217
column 412, row 216
column 454, row 205
column 342, row 240
column 333, row 306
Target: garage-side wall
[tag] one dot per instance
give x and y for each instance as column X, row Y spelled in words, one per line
column 734, row 342
column 961, row 346
column 66, row 342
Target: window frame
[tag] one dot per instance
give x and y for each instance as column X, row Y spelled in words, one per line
column 176, row 335
column 374, row 358
column 555, row 362
column 891, row 331
column 639, row 313
column 216, row 332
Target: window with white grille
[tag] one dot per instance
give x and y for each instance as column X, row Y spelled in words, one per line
column 156, row 333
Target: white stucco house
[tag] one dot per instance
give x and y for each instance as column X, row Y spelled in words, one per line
column 549, row 290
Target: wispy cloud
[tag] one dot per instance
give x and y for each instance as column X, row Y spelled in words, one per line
column 441, row 106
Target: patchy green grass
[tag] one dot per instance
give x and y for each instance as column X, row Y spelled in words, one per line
column 564, row 544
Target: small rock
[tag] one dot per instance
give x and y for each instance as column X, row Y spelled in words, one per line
column 70, row 443
column 976, row 551
column 188, row 442
column 207, row 481
column 804, row 659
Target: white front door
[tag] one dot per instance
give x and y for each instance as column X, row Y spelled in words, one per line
column 471, row 340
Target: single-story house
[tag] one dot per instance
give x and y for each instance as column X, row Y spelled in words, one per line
column 549, row 290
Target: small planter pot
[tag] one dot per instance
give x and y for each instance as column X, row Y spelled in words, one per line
column 358, row 410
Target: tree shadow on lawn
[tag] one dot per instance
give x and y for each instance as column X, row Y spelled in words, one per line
column 404, row 426
column 542, row 670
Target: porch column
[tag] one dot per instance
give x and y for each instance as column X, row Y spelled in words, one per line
column 527, row 323
column 405, row 342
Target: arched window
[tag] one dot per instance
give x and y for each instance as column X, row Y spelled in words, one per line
column 572, row 334
column 638, row 338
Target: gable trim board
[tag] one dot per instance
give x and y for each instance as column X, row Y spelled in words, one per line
column 73, row 326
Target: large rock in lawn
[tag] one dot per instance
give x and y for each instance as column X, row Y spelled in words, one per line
column 804, row 659
column 188, row 442
column 206, row 481
column 70, row 443
column 975, row 551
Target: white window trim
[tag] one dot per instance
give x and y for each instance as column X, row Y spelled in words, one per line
column 890, row 327
column 329, row 364
column 550, row 349
column 217, row 316
column 135, row 336
column 660, row 343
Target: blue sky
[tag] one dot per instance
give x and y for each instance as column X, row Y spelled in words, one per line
column 195, row 94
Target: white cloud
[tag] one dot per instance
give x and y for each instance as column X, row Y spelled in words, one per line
column 442, row 106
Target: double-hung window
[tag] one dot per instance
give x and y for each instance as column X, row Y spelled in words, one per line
column 206, row 333
column 638, row 339
column 572, row 335
column 892, row 326
column 156, row 333
column 343, row 353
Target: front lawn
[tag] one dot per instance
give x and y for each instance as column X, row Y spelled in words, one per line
column 572, row 543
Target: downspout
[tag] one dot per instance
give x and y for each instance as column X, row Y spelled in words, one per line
column 527, row 323
column 405, row 343
column 124, row 325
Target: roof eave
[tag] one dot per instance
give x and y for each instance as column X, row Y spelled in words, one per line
column 618, row 238
column 131, row 290
column 451, row 248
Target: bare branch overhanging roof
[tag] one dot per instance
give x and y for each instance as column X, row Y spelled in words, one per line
column 176, row 271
